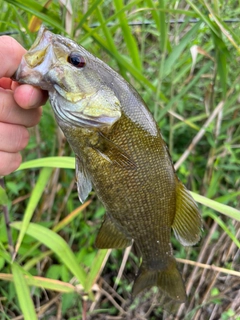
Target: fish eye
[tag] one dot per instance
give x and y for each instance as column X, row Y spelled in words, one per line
column 76, row 60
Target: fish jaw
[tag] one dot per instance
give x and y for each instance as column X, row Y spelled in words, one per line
column 37, row 62
column 46, row 65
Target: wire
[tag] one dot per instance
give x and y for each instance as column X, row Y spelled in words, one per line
column 136, row 23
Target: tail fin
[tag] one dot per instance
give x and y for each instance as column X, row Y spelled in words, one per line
column 168, row 280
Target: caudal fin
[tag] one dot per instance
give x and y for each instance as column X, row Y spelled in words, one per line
column 169, row 281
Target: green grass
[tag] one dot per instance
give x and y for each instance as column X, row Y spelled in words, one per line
column 196, row 105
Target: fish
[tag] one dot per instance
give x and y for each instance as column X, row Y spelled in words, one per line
column 121, row 154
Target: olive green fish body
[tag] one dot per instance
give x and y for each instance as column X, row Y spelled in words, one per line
column 121, row 154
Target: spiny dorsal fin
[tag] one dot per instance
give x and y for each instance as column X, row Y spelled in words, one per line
column 110, row 236
column 187, row 223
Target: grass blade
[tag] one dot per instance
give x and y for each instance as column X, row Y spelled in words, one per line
column 162, row 25
column 34, row 8
column 54, row 242
column 224, row 227
column 204, row 18
column 40, row 282
column 3, row 196
column 57, row 228
column 33, row 202
column 177, row 50
column 97, row 266
column 127, row 35
column 50, row 162
column 93, row 7
column 69, row 218
column 222, row 208
column 23, row 294
column 185, row 89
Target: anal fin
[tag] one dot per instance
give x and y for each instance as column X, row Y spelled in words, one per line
column 187, row 223
column 110, row 236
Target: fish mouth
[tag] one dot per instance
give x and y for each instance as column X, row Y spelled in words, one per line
column 37, row 61
column 35, row 58
column 39, row 49
column 29, row 62
column 40, row 36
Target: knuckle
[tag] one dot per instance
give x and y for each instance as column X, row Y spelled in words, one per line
column 37, row 116
column 13, row 138
column 22, row 138
column 9, row 162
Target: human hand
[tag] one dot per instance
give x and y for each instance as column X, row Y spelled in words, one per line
column 19, row 107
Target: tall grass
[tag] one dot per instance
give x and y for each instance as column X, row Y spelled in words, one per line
column 183, row 58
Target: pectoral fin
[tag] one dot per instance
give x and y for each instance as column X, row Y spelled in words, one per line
column 113, row 153
column 110, row 236
column 84, row 184
column 187, row 223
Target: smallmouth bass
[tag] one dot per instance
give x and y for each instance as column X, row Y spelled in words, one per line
column 120, row 153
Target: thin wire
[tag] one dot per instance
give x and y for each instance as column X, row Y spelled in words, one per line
column 134, row 23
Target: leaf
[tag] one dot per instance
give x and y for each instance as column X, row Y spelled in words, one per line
column 49, row 284
column 34, row 8
column 222, row 208
column 185, row 89
column 221, row 53
column 23, row 293
column 35, row 22
column 96, row 268
column 224, row 227
column 54, row 242
column 127, row 34
column 90, row 10
column 204, row 18
column 109, row 37
column 162, row 25
column 69, row 218
column 3, row 197
column 177, row 50
column 50, row 162
column 33, row 202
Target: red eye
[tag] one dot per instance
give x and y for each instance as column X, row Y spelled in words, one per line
column 76, row 60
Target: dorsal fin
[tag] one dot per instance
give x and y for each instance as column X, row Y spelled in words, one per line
column 187, row 224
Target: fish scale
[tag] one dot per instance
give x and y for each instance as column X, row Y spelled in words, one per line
column 121, row 154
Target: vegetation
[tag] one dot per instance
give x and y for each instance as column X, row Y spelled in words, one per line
column 183, row 58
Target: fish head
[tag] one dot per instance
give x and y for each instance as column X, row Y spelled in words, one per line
column 73, row 78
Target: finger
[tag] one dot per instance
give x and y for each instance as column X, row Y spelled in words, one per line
column 10, row 112
column 5, row 83
column 9, row 162
column 13, row 138
column 11, row 53
column 29, row 97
